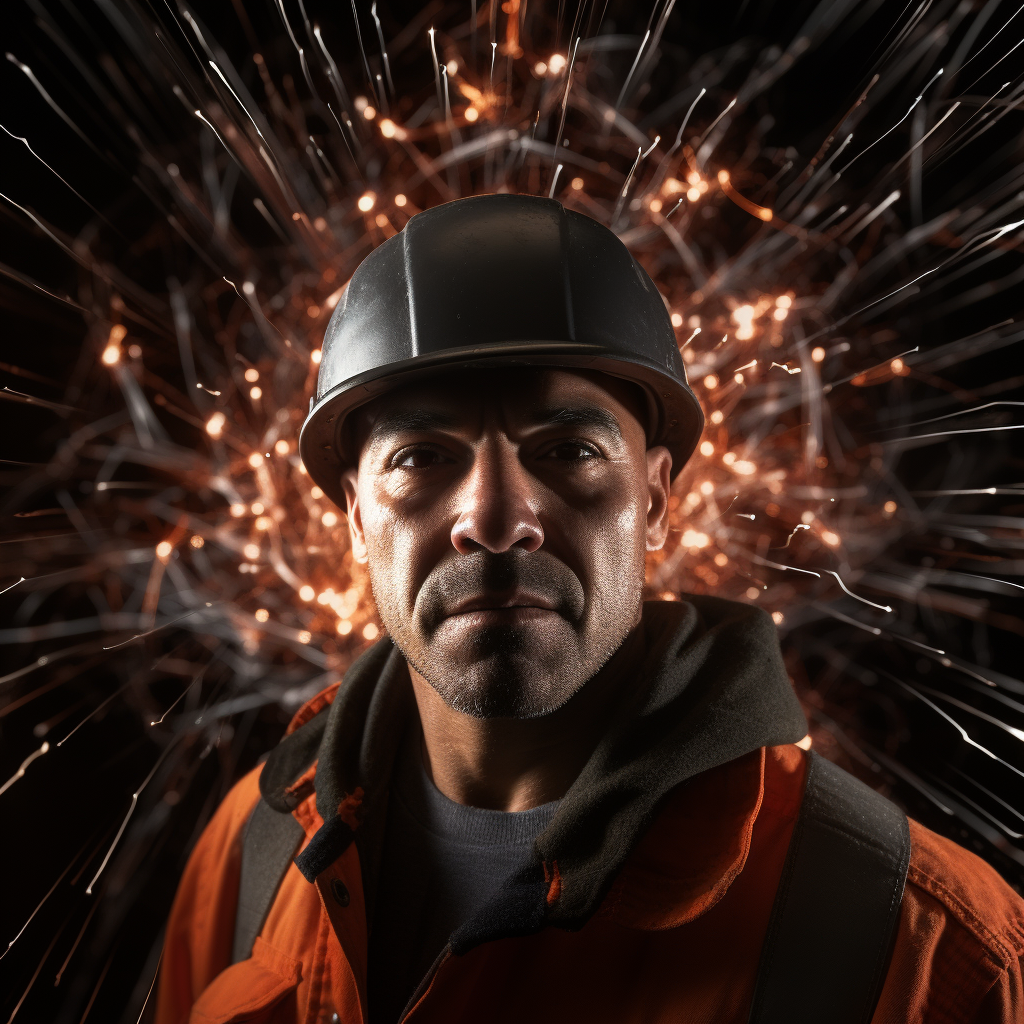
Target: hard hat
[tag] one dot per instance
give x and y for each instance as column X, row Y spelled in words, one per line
column 496, row 280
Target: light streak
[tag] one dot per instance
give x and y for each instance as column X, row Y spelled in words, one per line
column 157, row 629
column 711, row 127
column 53, row 171
column 383, row 48
column 39, row 905
column 554, row 181
column 127, row 817
column 632, row 70
column 964, row 735
column 951, row 433
column 964, row 412
column 793, row 533
column 71, row 952
column 20, row 773
column 857, row 597
column 886, row 134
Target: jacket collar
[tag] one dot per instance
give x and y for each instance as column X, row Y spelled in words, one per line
column 711, row 691
column 693, row 851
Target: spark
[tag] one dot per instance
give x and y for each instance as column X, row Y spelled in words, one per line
column 24, row 764
column 686, row 121
column 951, row 433
column 157, row 629
column 383, row 48
column 784, row 366
column 220, row 74
column 437, row 65
column 865, row 373
column 127, row 817
column 28, row 146
column 632, row 70
column 180, row 697
column 39, row 906
column 964, row 412
column 362, row 48
column 81, row 933
column 152, row 985
column 857, row 597
column 554, row 181
column 711, row 127
column 924, row 138
column 35, row 973
column 30, row 75
column 795, row 531
column 876, row 212
column 1017, row 734
column 991, row 38
column 997, row 63
column 565, row 96
column 208, row 123
column 787, row 568
column 885, row 135
column 11, row 587
column 967, row 490
column 917, row 643
column 964, row 735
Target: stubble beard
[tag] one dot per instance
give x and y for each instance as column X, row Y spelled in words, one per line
column 509, row 671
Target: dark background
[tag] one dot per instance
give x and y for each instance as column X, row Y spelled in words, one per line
column 66, row 810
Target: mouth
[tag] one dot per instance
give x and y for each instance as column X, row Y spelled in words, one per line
column 519, row 605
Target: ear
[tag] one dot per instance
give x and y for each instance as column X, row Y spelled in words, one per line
column 355, row 520
column 659, row 486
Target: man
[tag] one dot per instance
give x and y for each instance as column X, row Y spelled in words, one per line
column 541, row 798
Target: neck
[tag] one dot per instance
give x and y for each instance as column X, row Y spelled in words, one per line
column 513, row 764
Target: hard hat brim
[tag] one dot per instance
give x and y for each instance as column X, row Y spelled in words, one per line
column 677, row 419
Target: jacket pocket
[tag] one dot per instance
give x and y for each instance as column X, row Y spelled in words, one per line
column 248, row 992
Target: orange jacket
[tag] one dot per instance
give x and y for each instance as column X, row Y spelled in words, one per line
column 677, row 938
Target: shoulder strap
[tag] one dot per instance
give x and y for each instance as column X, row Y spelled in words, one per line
column 270, row 841
column 834, row 920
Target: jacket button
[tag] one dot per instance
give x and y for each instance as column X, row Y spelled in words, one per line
column 339, row 892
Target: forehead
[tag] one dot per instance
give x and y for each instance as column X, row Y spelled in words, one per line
column 519, row 393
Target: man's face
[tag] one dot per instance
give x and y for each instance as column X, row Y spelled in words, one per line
column 504, row 516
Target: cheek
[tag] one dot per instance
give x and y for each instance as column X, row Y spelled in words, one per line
column 608, row 534
column 402, row 548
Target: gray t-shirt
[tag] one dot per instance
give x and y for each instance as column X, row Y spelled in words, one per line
column 441, row 862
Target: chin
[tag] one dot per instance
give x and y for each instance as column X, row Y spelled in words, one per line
column 502, row 674
column 503, row 691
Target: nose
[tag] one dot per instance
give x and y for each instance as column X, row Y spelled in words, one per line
column 497, row 506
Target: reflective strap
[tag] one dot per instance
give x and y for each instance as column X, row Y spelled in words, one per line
column 834, row 921
column 268, row 845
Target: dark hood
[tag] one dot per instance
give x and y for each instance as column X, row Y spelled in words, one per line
column 711, row 688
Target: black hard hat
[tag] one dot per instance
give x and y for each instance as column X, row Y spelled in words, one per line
column 496, row 280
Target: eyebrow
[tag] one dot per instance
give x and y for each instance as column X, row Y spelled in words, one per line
column 415, row 420
column 579, row 416
column 410, row 420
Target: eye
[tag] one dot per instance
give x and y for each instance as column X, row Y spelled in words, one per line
column 573, row 451
column 417, row 458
